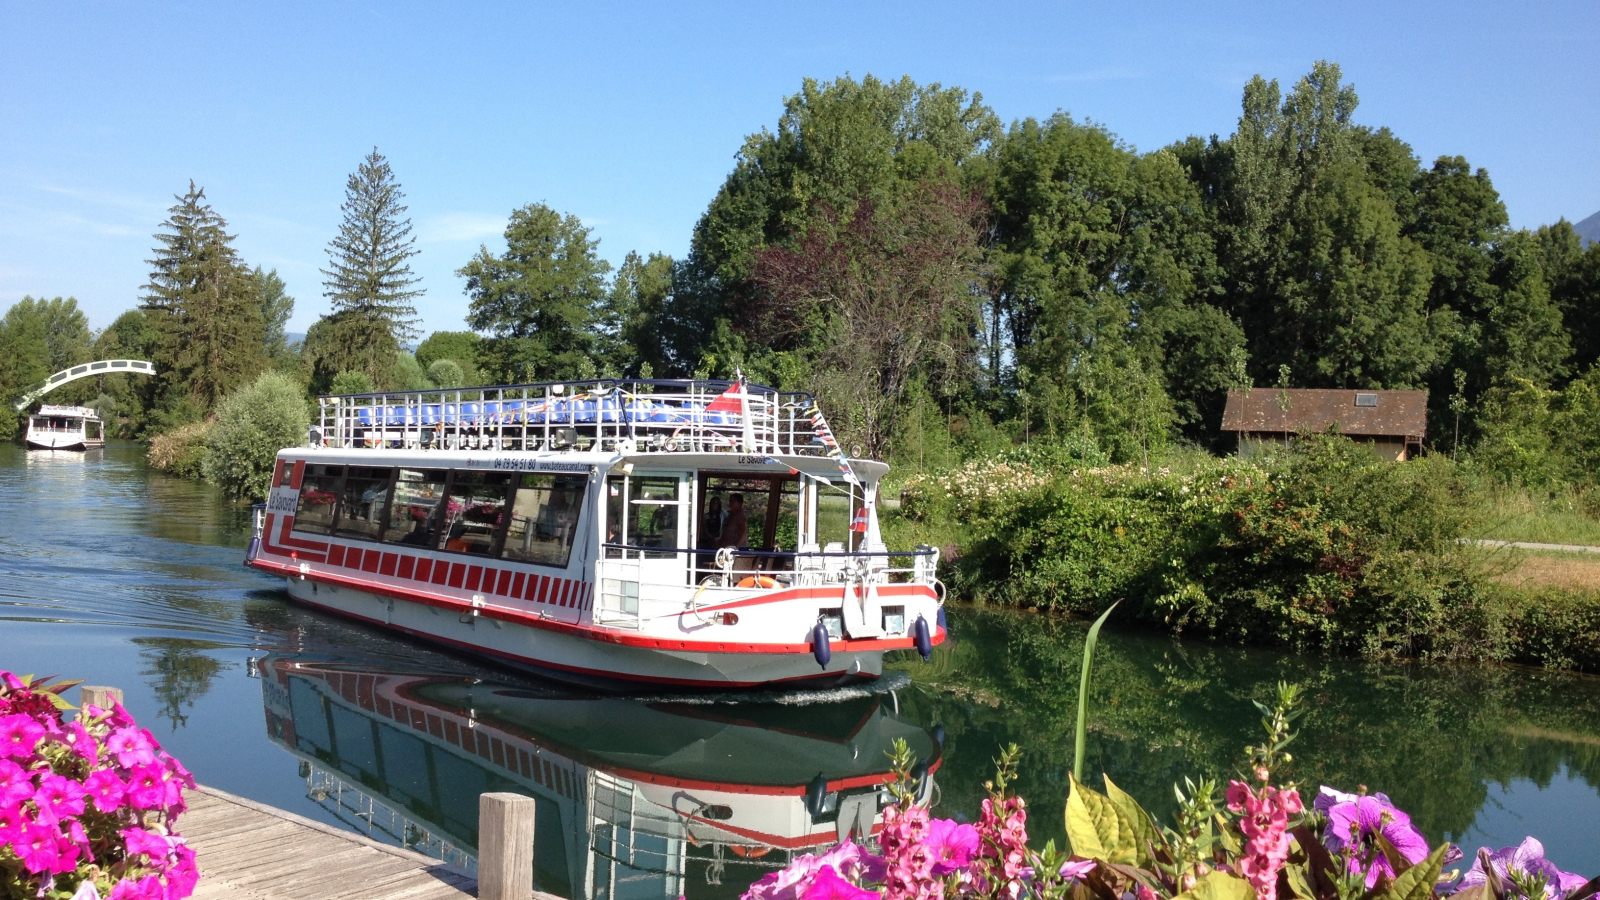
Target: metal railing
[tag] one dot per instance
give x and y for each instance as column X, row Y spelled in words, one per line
column 727, row 567
column 603, row 414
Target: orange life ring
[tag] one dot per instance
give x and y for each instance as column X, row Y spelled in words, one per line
column 758, row 581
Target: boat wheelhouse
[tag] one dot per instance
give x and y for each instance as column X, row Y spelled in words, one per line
column 65, row 428
column 672, row 533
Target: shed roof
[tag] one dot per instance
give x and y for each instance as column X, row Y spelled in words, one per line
column 1382, row 414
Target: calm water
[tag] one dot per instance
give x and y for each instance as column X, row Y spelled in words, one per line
column 121, row 576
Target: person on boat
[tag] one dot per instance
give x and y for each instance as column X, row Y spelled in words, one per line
column 735, row 527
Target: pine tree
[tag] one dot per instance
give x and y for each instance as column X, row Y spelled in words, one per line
column 202, row 303
column 369, row 280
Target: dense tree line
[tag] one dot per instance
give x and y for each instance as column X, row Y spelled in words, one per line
column 898, row 249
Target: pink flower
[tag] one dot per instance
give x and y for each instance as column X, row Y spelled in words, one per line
column 12, row 821
column 953, row 845
column 1074, row 869
column 142, row 841
column 13, row 682
column 853, row 862
column 179, row 773
column 183, row 874
column 39, row 847
column 57, row 797
column 146, row 888
column 19, row 734
column 83, row 743
column 828, row 885
column 131, row 746
column 16, row 783
column 105, row 790
column 147, row 788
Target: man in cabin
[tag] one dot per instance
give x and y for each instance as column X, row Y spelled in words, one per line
column 735, row 528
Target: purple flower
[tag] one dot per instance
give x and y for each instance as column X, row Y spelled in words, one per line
column 1353, row 824
column 147, row 788
column 853, row 862
column 19, row 734
column 1524, row 862
column 830, row 885
column 82, row 742
column 1074, row 869
column 141, row 841
column 953, row 845
column 16, row 783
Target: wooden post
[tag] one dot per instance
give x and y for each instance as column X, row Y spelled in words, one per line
column 102, row 697
column 505, row 846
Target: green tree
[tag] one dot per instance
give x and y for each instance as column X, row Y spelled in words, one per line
column 369, row 279
column 446, row 373
column 276, row 307
column 458, row 346
column 200, row 299
column 409, row 374
column 253, row 424
column 38, row 338
column 836, row 142
column 1573, row 273
column 1316, row 268
column 540, row 301
column 130, row 336
column 630, row 318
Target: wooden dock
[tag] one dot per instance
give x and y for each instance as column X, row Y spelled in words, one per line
column 251, row 851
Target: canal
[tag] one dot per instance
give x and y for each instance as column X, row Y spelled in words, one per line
column 122, row 576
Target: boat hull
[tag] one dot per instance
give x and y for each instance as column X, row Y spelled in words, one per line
column 580, row 659
column 47, row 443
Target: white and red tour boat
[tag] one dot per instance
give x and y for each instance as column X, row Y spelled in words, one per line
column 673, row 533
column 65, row 428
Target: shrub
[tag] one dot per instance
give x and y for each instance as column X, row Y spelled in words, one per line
column 348, row 382
column 1554, row 627
column 181, row 451
column 1325, row 546
column 87, row 806
column 255, row 422
column 447, row 373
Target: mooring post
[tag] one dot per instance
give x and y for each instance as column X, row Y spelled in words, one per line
column 505, row 846
column 102, row 697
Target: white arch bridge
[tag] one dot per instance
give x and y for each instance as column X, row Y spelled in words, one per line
column 86, row 370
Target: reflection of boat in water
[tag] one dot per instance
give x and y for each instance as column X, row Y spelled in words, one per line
column 635, row 799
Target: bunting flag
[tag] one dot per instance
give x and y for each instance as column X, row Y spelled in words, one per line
column 859, row 523
column 819, row 424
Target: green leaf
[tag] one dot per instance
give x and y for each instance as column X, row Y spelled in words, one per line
column 1417, row 882
column 1097, row 829
column 1081, row 736
column 1145, row 832
column 1300, row 881
column 1219, row 886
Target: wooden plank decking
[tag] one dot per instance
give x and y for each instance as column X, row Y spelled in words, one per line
column 251, row 851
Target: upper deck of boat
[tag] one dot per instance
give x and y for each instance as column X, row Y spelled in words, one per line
column 604, row 417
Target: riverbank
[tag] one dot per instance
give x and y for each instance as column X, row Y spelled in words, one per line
column 1322, row 548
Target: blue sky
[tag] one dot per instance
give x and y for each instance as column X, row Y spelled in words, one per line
column 629, row 116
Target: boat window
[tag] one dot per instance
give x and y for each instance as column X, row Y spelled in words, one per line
column 361, row 502
column 417, row 493
column 616, row 493
column 652, row 517
column 319, row 488
column 474, row 511
column 834, row 512
column 544, row 518
column 771, row 507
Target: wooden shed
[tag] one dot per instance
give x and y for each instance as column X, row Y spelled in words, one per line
column 1393, row 422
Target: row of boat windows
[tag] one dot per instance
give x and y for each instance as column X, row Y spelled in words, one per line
column 526, row 517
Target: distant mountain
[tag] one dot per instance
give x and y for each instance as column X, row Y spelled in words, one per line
column 1589, row 229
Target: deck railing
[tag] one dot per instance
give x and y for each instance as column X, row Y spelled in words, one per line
column 603, row 414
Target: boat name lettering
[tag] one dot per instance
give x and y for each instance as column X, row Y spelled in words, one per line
column 283, row 500
column 758, row 461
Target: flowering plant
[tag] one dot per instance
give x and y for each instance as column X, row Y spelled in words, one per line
column 1258, row 840
column 87, row 805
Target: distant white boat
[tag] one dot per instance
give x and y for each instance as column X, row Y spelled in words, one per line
column 65, row 428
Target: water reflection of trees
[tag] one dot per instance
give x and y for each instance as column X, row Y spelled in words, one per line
column 1432, row 737
column 179, row 672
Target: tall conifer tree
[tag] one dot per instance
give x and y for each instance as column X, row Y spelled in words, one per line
column 369, row 278
column 202, row 303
